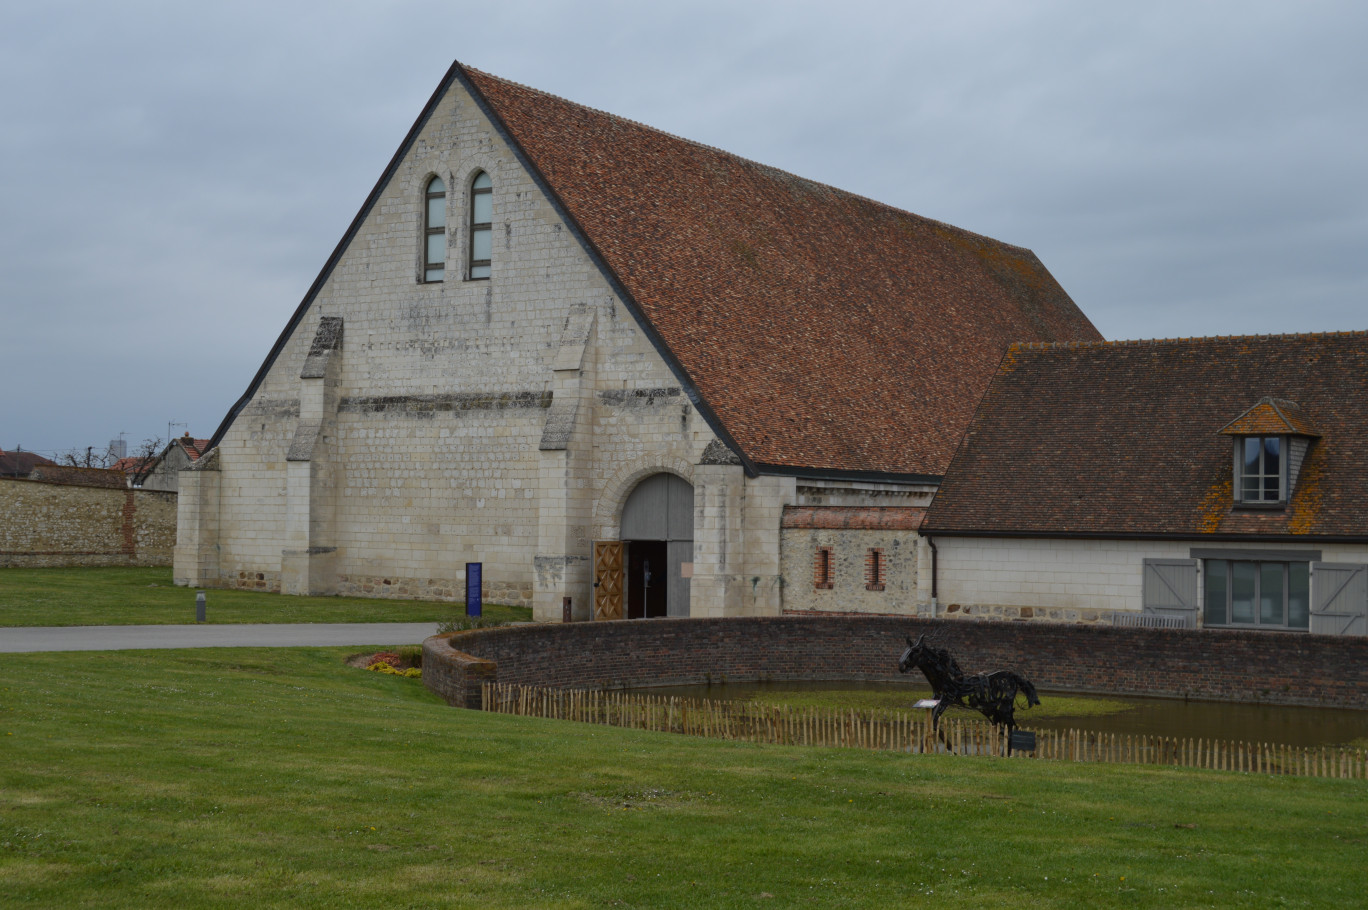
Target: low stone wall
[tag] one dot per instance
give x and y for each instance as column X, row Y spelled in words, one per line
column 55, row 524
column 1258, row 667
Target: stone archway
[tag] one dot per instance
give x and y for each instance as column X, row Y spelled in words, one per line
column 644, row 563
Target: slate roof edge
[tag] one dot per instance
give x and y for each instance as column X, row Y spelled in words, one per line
column 1196, row 536
column 808, row 473
column 1022, row 346
column 600, row 262
column 336, row 256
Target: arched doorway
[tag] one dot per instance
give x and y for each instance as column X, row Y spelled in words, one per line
column 653, row 560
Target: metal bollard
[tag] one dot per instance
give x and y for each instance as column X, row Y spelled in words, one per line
column 199, row 606
column 566, row 615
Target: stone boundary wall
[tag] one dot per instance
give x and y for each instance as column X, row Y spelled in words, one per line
column 1256, row 667
column 53, row 524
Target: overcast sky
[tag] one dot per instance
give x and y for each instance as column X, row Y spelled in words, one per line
column 173, row 176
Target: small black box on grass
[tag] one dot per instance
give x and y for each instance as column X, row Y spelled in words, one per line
column 1021, row 741
column 199, row 606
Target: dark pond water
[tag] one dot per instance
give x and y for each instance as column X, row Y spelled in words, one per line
column 1148, row 716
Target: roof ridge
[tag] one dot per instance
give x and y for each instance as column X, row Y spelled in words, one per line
column 749, row 161
column 1139, row 342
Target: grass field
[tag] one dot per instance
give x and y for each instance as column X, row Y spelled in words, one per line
column 131, row 596
column 282, row 778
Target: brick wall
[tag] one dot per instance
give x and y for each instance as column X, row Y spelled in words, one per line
column 49, row 524
column 1261, row 667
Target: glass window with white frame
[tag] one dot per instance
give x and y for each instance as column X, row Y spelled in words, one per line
column 1261, row 466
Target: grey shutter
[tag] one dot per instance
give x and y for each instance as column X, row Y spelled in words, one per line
column 1339, row 598
column 1169, row 588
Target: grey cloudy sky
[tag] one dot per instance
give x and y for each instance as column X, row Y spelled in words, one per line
column 173, row 176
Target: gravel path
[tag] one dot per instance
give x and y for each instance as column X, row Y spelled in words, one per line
column 264, row 635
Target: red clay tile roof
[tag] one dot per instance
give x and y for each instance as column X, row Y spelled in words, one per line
column 1124, row 438
column 841, row 518
column 824, row 330
column 131, row 464
column 1271, row 417
column 193, row 447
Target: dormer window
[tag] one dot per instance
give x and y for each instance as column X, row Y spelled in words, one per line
column 1271, row 441
column 1261, row 469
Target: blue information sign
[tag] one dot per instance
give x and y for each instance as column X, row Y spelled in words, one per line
column 473, row 602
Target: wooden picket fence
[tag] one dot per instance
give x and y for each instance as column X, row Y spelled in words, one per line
column 907, row 731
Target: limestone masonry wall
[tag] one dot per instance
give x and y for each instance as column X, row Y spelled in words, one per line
column 1263, row 667
column 48, row 524
column 432, row 451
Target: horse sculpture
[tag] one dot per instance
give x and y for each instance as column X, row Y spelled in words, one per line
column 991, row 694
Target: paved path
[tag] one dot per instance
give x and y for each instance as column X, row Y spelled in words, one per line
column 264, row 635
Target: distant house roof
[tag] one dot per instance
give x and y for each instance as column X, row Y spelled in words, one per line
column 816, row 331
column 1133, row 439
column 193, row 447
column 20, row 464
column 141, row 466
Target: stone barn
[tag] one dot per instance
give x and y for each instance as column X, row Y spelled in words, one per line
column 613, row 365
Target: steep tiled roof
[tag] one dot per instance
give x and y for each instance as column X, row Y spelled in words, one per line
column 824, row 330
column 1116, row 439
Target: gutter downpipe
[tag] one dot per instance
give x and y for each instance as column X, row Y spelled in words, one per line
column 932, row 544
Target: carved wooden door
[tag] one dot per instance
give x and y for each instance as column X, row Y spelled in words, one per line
column 607, row 579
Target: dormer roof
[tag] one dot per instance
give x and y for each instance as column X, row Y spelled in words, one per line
column 1272, row 417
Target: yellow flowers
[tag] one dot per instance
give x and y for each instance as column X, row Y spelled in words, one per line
column 381, row 666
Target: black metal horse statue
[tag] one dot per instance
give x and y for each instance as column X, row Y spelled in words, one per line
column 991, row 694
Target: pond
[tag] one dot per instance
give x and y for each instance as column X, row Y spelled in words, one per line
column 1294, row 726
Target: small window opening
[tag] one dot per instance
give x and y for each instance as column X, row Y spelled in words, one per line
column 874, row 570
column 434, row 229
column 821, row 569
column 481, row 218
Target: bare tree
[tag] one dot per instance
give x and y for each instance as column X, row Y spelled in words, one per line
column 89, row 457
column 143, row 460
column 137, row 465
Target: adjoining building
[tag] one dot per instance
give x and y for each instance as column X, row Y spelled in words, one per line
column 613, row 365
column 1220, row 482
column 161, row 470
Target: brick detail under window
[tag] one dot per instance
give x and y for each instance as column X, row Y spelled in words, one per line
column 874, row 569
column 822, row 569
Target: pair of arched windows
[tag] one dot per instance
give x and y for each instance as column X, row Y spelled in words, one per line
column 481, row 236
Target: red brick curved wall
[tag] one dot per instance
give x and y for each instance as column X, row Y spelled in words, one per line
column 1267, row 667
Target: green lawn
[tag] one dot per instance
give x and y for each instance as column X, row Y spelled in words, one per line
column 128, row 596
column 282, row 778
